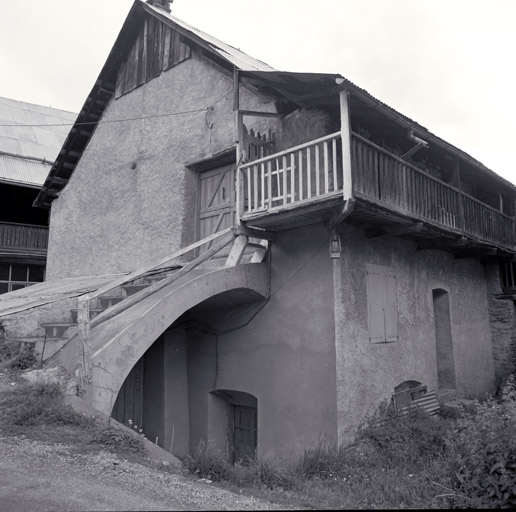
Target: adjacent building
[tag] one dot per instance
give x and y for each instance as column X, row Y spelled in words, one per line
column 30, row 139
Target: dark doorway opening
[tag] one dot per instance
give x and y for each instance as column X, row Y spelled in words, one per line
column 443, row 340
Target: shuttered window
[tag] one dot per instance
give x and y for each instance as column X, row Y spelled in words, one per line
column 382, row 304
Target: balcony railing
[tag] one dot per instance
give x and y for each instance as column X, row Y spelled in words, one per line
column 389, row 180
column 303, row 174
column 23, row 236
column 313, row 172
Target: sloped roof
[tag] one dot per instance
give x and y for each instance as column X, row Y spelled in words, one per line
column 31, row 137
column 238, row 58
column 295, row 87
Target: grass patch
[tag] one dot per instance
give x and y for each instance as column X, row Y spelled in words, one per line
column 37, row 404
column 38, row 411
column 460, row 459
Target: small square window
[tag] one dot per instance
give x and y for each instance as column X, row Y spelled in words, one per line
column 36, row 273
column 4, row 287
column 19, row 272
column 4, row 271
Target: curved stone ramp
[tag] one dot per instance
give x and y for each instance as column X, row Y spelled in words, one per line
column 120, row 342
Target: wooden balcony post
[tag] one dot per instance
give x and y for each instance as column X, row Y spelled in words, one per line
column 345, row 133
column 239, row 141
column 460, row 205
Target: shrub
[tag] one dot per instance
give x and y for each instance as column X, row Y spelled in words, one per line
column 406, row 439
column 323, row 460
column 38, row 404
column 24, row 359
column 207, row 462
column 481, row 450
column 7, row 351
column 117, row 440
column 273, row 472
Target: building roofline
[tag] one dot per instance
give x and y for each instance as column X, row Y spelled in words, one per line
column 230, row 57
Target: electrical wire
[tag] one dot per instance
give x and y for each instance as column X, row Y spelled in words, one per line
column 108, row 120
column 205, row 109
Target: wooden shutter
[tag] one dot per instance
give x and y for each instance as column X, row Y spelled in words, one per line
column 382, row 304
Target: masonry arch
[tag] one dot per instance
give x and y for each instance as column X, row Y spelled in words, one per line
column 120, row 343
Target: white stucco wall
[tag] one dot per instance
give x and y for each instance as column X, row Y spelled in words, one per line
column 368, row 372
column 131, row 201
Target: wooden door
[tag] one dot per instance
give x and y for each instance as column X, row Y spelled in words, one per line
column 217, row 201
column 128, row 407
column 245, row 433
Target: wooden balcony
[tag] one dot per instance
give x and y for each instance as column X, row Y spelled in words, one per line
column 23, row 239
column 304, row 184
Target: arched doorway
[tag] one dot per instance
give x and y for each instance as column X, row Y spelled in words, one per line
column 235, row 423
column 443, row 339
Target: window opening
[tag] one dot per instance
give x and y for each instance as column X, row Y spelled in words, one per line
column 16, row 276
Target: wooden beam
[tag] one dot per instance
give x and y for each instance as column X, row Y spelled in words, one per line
column 237, row 251
column 505, row 296
column 476, row 253
column 260, row 114
column 158, row 285
column 403, row 229
column 254, row 233
column 345, row 133
column 341, row 213
column 442, row 243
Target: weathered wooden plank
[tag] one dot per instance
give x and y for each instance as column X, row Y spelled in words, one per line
column 166, row 48
column 285, row 182
column 237, row 251
column 158, row 285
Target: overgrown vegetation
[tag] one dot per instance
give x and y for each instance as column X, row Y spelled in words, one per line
column 463, row 458
column 35, row 407
column 37, row 404
column 15, row 357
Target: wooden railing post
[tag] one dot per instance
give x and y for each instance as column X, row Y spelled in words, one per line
column 83, row 321
column 345, row 134
column 457, row 185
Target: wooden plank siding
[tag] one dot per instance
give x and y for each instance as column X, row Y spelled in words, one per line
column 156, row 48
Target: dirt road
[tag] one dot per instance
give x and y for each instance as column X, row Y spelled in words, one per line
column 36, row 476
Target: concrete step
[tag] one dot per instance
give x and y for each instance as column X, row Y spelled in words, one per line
column 131, row 289
column 57, row 329
column 106, row 301
column 30, row 340
column 93, row 313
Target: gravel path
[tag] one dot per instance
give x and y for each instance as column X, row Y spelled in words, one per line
column 49, row 477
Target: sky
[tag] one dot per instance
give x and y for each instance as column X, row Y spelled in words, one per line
column 447, row 64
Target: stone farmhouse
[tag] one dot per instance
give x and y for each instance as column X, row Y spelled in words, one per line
column 260, row 259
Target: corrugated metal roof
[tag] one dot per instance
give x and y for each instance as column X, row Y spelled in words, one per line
column 29, row 133
column 22, row 170
column 235, row 56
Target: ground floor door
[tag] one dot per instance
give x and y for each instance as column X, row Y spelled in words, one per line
column 245, row 432
column 128, row 407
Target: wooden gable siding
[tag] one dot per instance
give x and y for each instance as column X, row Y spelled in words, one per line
column 156, row 49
